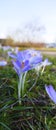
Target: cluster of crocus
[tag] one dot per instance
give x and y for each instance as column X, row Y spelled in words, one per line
column 23, row 61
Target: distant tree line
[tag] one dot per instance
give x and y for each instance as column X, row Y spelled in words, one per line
column 11, row 42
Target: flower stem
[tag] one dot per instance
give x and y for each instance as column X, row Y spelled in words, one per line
column 20, row 88
column 23, row 81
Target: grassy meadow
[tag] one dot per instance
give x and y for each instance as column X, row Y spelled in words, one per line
column 37, row 111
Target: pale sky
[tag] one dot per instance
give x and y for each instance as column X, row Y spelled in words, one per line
column 15, row 14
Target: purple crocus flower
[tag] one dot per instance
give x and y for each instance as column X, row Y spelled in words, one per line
column 25, row 60
column 42, row 65
column 24, row 54
column 46, row 62
column 3, row 63
column 51, row 92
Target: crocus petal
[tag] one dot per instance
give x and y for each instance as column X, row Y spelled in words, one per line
column 17, row 71
column 22, row 56
column 36, row 60
column 16, row 64
column 26, row 62
column 12, row 55
column 3, row 63
column 26, row 68
column 46, row 62
column 33, row 52
column 51, row 92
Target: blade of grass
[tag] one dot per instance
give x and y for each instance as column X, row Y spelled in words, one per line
column 1, row 123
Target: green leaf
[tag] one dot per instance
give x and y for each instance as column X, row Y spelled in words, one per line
column 22, row 108
column 5, row 126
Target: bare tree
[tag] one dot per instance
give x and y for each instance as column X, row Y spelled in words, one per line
column 32, row 31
